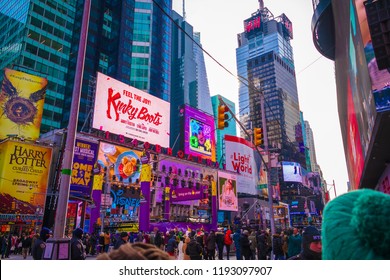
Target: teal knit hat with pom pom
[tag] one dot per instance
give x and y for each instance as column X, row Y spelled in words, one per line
column 356, row 226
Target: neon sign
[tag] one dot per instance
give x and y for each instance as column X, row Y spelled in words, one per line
column 253, row 24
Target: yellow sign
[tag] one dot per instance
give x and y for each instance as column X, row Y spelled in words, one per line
column 24, row 171
column 129, row 227
column 21, row 104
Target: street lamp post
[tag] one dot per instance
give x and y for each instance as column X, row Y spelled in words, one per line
column 60, row 246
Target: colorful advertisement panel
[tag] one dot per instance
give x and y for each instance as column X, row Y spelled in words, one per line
column 84, row 158
column 24, row 171
column 125, row 110
column 185, row 194
column 199, row 139
column 240, row 158
column 120, row 161
column 356, row 104
column 292, row 172
column 379, row 78
column 227, row 192
column 21, row 104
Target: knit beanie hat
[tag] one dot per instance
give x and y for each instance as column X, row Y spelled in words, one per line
column 356, row 226
column 45, row 233
column 310, row 234
column 78, row 232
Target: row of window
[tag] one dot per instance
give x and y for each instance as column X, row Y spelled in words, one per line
column 50, row 29
column 52, row 71
column 46, row 55
column 55, row 5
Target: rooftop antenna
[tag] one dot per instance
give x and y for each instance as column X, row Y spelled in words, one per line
column 261, row 3
column 184, row 10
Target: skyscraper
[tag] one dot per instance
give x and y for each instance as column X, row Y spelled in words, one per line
column 128, row 40
column 265, row 64
column 35, row 37
column 189, row 84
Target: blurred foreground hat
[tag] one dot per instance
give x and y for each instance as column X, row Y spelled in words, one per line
column 356, row 226
column 78, row 232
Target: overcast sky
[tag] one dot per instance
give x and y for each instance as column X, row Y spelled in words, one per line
column 219, row 22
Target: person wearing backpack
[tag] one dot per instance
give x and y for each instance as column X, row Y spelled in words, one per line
column 228, row 240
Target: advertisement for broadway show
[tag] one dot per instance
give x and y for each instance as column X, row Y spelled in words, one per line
column 84, row 158
column 24, row 171
column 125, row 110
column 227, row 192
column 21, row 104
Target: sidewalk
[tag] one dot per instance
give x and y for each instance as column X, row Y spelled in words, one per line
column 20, row 257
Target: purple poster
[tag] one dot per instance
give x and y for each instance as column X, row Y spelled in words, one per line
column 182, row 194
column 84, row 158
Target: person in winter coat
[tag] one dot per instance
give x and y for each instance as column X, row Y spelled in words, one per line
column 194, row 250
column 40, row 244
column 245, row 245
column 210, row 245
column 123, row 239
column 262, row 246
column 184, row 248
column 228, row 241
column 277, row 246
column 294, row 243
column 311, row 245
column 77, row 251
column 237, row 244
column 219, row 236
column 171, row 245
column 253, row 244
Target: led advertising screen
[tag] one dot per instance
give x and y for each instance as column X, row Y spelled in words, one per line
column 199, row 139
column 227, row 192
column 356, row 104
column 239, row 155
column 125, row 110
column 24, row 171
column 84, row 159
column 120, row 161
column 379, row 78
column 21, row 104
column 292, row 172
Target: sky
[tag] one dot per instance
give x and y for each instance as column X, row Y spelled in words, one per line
column 219, row 22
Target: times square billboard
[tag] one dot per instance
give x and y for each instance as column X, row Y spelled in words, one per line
column 128, row 111
column 356, row 105
column 199, row 135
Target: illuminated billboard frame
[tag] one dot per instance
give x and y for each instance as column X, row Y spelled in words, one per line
column 128, row 111
column 292, row 172
column 199, row 138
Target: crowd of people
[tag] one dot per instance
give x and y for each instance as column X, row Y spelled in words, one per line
column 361, row 214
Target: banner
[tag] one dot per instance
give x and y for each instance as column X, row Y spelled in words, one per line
column 240, row 158
column 227, row 192
column 24, row 171
column 21, row 104
column 125, row 110
column 84, row 158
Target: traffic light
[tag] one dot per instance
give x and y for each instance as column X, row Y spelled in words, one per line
column 222, row 116
column 258, row 136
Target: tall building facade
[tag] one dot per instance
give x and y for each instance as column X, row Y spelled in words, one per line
column 35, row 37
column 189, row 83
column 128, row 40
column 265, row 64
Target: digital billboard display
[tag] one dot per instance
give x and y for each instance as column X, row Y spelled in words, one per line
column 21, row 104
column 125, row 110
column 199, row 138
column 379, row 78
column 355, row 100
column 292, row 172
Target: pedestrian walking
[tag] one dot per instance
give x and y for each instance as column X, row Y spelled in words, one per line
column 311, row 245
column 228, row 241
column 77, row 249
column 40, row 244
